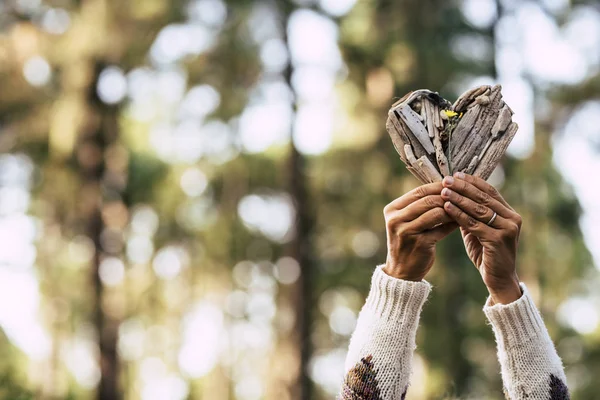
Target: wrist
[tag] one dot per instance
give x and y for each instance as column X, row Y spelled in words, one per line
column 396, row 271
column 506, row 293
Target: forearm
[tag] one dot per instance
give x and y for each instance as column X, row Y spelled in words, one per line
column 378, row 364
column 531, row 368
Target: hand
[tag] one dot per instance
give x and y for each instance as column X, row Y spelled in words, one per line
column 471, row 202
column 415, row 222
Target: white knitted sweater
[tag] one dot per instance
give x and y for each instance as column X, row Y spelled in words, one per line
column 378, row 365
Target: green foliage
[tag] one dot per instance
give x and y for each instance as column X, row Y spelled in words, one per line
column 13, row 391
column 146, row 174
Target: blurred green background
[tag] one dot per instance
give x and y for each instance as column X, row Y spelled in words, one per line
column 191, row 191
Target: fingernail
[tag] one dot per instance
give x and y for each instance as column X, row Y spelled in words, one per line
column 448, row 204
column 448, row 180
column 459, row 175
column 446, row 192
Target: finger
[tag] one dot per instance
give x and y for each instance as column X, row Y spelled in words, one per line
column 419, row 207
column 483, row 186
column 478, row 211
column 467, row 222
column 414, row 195
column 428, row 220
column 440, row 232
column 468, row 190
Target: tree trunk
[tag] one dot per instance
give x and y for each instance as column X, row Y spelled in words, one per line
column 98, row 135
column 300, row 248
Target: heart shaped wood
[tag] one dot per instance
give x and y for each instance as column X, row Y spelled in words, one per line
column 435, row 138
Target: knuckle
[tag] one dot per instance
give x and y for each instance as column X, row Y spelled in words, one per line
column 400, row 231
column 391, row 224
column 420, row 192
column 492, row 190
column 480, row 210
column 511, row 232
column 441, row 214
column 438, row 213
column 387, row 209
column 431, row 201
column 483, row 198
column 519, row 220
column 472, row 222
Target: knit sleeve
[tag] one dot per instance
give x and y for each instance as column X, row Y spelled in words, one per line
column 531, row 368
column 378, row 364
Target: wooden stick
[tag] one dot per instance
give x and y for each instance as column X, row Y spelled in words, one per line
column 501, row 124
column 402, row 99
column 414, row 164
column 411, row 119
column 463, row 101
column 417, row 174
column 398, row 138
column 406, row 134
column 496, row 151
column 422, row 110
column 429, row 118
column 441, row 159
column 472, row 134
column 460, row 135
column 474, row 163
column 429, row 169
column 438, row 118
column 504, row 119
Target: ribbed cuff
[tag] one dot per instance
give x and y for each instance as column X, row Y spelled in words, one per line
column 517, row 322
column 392, row 298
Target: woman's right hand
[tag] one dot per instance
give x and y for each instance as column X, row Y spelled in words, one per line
column 415, row 222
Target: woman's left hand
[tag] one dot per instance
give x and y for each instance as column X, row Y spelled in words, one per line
column 490, row 229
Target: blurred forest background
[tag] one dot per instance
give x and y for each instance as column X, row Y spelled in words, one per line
column 191, row 191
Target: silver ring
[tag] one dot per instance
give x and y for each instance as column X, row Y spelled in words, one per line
column 491, row 221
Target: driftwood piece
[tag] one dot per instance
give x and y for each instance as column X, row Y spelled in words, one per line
column 461, row 133
column 404, row 134
column 432, row 114
column 500, row 126
column 411, row 119
column 423, row 112
column 464, row 149
column 467, row 97
column 429, row 122
column 417, row 174
column 493, row 156
column 439, row 123
column 414, row 165
column 422, row 166
column 442, row 160
column 435, row 138
column 504, row 119
column 397, row 138
column 425, row 165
